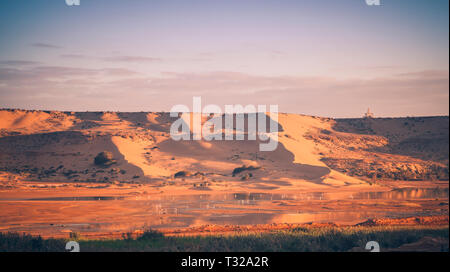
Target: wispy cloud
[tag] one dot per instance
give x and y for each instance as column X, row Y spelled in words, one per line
column 46, row 45
column 131, row 59
column 18, row 62
column 380, row 67
column 74, row 56
column 42, row 75
column 421, row 93
column 119, row 59
column 121, row 72
column 426, row 74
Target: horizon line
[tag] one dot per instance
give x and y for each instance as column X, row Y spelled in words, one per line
column 112, row 111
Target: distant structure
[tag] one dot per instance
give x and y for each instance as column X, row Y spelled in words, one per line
column 368, row 114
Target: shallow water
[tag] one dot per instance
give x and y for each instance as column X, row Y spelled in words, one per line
column 77, row 198
column 248, row 198
column 406, row 193
column 252, row 198
column 263, row 208
column 112, row 213
column 68, row 198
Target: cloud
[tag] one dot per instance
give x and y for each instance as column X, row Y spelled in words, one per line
column 74, row 56
column 46, row 74
column 435, row 74
column 123, row 59
column 131, row 59
column 119, row 72
column 18, row 62
column 46, row 45
column 379, row 67
column 71, row 88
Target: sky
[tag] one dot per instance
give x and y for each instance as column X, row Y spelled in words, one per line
column 317, row 57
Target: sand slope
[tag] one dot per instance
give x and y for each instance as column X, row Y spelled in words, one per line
column 312, row 151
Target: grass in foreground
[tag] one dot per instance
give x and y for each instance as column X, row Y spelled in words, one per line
column 308, row 239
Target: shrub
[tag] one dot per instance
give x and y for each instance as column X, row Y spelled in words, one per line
column 247, row 176
column 104, row 158
column 244, row 168
column 182, row 174
column 151, row 235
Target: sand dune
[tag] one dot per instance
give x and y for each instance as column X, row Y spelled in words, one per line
column 317, row 168
column 295, row 128
column 28, row 122
column 134, row 153
column 312, row 149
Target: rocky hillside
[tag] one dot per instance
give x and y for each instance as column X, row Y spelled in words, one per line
column 387, row 148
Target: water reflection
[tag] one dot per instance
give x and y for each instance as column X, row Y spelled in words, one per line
column 259, row 208
column 78, row 198
column 252, row 198
column 406, row 193
column 162, row 211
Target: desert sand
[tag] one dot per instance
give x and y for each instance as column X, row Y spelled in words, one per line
column 338, row 171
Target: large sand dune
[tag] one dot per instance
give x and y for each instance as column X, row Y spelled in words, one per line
column 310, row 149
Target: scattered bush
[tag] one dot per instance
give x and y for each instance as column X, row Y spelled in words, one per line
column 247, row 176
column 182, row 174
column 104, row 158
column 244, row 168
column 150, row 235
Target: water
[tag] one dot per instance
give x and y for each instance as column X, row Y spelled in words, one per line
column 408, row 193
column 78, row 198
column 262, row 208
column 106, row 213
column 253, row 198
column 68, row 198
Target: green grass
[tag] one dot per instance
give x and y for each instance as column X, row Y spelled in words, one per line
column 329, row 239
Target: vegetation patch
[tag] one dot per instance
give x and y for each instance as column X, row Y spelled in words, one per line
column 244, row 168
column 104, row 158
column 184, row 174
column 304, row 239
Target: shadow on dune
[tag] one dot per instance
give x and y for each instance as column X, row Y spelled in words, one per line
column 278, row 163
column 40, row 154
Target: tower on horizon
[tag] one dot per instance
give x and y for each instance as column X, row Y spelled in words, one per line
column 368, row 114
